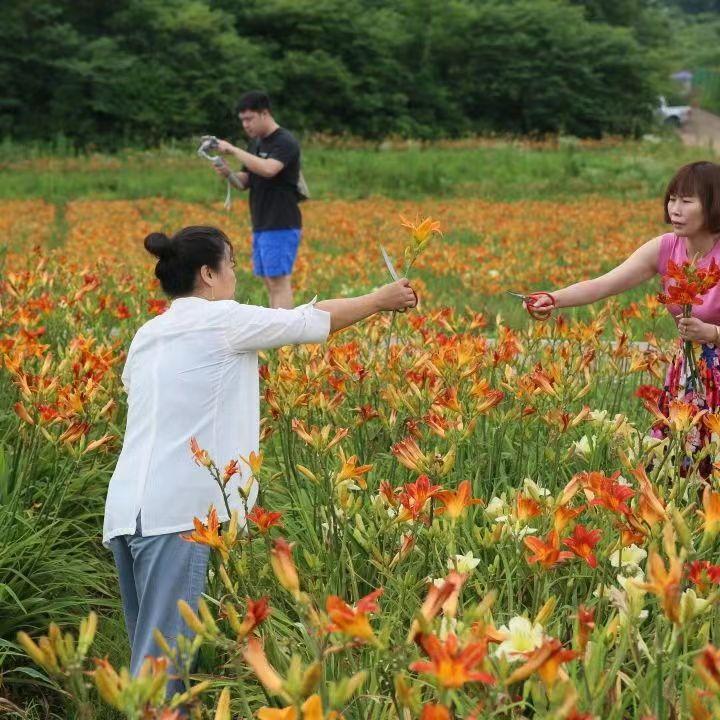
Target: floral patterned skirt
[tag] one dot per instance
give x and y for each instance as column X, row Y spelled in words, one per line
column 704, row 394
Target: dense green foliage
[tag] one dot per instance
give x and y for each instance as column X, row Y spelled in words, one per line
column 141, row 70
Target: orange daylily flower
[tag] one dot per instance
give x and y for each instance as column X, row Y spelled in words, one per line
column 455, row 502
column 352, row 621
column 319, row 439
column 415, row 496
column 409, row 454
column 421, row 232
column 264, row 519
column 438, row 598
column 665, row 583
column 22, row 413
column 650, row 507
column 432, row 711
column 256, row 613
column 450, row 664
column 283, row 566
column 208, row 534
column 586, row 624
column 230, row 469
column 352, row 471
column 707, row 666
column 254, row 461
column 200, row 456
column 526, row 507
column 546, row 661
column 703, row 574
column 712, row 422
column 254, row 655
column 583, row 542
column 681, row 417
column 564, row 515
column 606, row 492
column 710, row 514
column 547, row 552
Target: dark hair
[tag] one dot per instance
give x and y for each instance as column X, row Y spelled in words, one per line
column 701, row 179
column 255, row 100
column 181, row 256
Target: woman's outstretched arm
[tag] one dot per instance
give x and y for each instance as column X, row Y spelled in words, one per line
column 638, row 268
column 347, row 311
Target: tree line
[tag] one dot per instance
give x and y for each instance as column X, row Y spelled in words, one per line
column 125, row 72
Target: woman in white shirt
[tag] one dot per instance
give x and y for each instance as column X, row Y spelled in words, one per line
column 193, row 372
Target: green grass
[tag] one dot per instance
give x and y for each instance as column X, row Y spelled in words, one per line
column 502, row 171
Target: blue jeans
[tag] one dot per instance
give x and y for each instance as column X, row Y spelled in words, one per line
column 155, row 572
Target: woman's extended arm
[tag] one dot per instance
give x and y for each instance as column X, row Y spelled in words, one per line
column 638, row 268
column 347, row 311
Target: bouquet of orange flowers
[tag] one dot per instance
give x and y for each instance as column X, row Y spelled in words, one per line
column 684, row 285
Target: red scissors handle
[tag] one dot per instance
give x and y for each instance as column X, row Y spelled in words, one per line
column 539, row 313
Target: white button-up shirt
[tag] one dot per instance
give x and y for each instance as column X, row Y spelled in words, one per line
column 193, row 372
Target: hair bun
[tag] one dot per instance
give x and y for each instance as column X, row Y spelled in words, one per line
column 159, row 245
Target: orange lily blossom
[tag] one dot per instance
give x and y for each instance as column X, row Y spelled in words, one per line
column 650, row 507
column 546, row 661
column 312, row 709
column 710, row 514
column 665, row 583
column 264, row 519
column 450, row 664
column 585, row 625
column 526, row 507
column 254, row 461
column 256, row 613
column 409, row 454
column 254, row 655
column 707, row 666
column 455, row 502
column 200, row 456
column 564, row 515
column 432, row 711
column 207, row 534
column 283, row 566
column 352, row 471
column 230, row 469
column 547, row 552
column 611, row 495
column 435, row 600
column 582, row 542
column 352, row 621
column 420, row 233
column 415, row 496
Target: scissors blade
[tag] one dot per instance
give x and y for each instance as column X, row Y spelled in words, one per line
column 516, row 294
column 389, row 265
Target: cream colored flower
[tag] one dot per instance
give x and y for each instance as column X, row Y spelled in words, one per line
column 522, row 637
column 630, row 555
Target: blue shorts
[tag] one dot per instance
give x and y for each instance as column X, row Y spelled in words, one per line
column 274, row 251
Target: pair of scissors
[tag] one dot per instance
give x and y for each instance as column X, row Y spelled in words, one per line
column 394, row 274
column 530, row 299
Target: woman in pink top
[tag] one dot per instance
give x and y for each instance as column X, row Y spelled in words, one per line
column 692, row 207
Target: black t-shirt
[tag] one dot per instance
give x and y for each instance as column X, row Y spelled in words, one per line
column 274, row 201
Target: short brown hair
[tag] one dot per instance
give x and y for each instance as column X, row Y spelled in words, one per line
column 701, row 179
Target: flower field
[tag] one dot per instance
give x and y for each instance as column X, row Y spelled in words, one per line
column 462, row 514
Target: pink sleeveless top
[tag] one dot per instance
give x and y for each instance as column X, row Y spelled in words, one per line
column 672, row 247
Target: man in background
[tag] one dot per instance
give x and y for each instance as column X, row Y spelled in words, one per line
column 271, row 172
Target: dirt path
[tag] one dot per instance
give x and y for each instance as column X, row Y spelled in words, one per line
column 702, row 130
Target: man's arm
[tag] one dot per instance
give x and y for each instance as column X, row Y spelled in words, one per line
column 265, row 167
column 239, row 180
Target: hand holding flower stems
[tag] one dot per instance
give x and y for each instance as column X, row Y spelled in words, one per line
column 420, row 235
column 690, row 283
